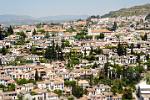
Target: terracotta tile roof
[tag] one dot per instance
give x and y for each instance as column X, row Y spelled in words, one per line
column 101, row 31
column 39, row 90
column 52, row 94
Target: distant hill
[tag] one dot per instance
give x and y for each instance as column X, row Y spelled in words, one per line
column 136, row 10
column 21, row 19
column 16, row 19
column 63, row 17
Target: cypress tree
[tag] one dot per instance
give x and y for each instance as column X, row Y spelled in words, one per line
column 131, row 47
column 34, row 32
column 85, row 53
column 121, row 50
column 36, row 76
column 145, row 37
column 101, row 36
column 53, row 51
column 10, row 30
column 48, row 53
column 114, row 26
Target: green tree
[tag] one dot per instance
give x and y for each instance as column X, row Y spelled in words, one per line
column 4, row 51
column 22, row 34
column 94, row 65
column 85, row 53
column 147, row 17
column 148, row 64
column 67, row 43
column 138, row 57
column 80, row 36
column 77, row 91
column 11, row 87
column 59, row 92
column 106, row 68
column 131, row 47
column 147, row 78
column 70, row 98
column 71, row 29
column 114, row 27
column 41, row 30
column 20, row 41
column 1, row 62
column 57, row 47
column 70, row 83
column 34, row 32
column 9, row 31
column 32, row 81
column 102, row 36
column 114, row 90
column 98, row 50
column 33, row 50
column 138, row 92
column 47, row 35
column 62, row 44
column 48, row 53
column 69, row 64
column 59, row 53
column 147, row 57
column 74, row 58
column 127, row 95
column 88, row 37
column 91, row 51
column 91, row 80
column 1, row 34
column 121, row 50
column 145, row 37
column 119, row 70
column 20, row 97
column 117, row 86
column 22, row 81
column 36, row 76
column 53, row 51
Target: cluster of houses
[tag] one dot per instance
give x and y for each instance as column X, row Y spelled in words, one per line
column 54, row 74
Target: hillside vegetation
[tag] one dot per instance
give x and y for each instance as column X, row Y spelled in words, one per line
column 136, row 10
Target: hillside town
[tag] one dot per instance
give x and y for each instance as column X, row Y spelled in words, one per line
column 93, row 59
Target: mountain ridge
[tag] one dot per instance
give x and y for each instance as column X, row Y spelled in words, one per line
column 24, row 19
column 131, row 11
column 10, row 19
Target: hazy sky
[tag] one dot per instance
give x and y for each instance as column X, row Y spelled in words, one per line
column 40, row 8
